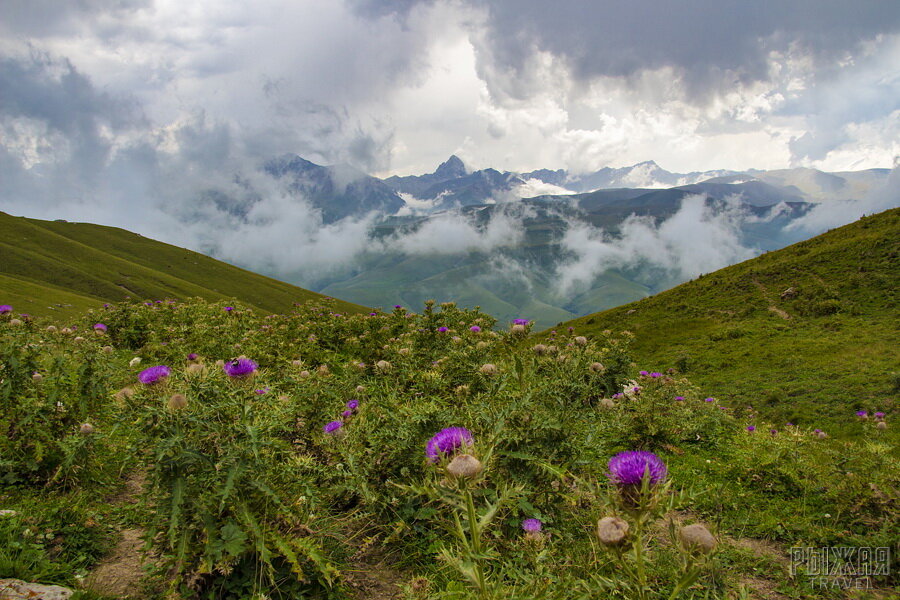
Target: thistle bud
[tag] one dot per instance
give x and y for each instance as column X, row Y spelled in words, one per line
column 297, row 363
column 77, row 340
column 134, row 361
column 488, row 369
column 404, row 351
column 540, row 349
column 86, row 429
column 517, row 329
column 462, row 390
column 383, row 366
column 37, row 377
column 304, row 374
column 607, row 403
column 107, row 349
column 360, row 389
column 481, row 345
column 194, row 368
column 464, row 466
column 597, row 367
column 51, row 329
column 323, row 370
column 177, row 402
column 612, row 531
column 697, row 539
column 881, row 425
column 581, row 340
column 15, row 322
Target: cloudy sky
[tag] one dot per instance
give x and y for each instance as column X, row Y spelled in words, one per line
column 397, row 86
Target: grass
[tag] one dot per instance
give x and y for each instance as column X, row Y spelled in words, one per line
column 813, row 356
column 60, row 268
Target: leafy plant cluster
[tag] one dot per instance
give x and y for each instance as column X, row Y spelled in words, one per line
column 271, row 483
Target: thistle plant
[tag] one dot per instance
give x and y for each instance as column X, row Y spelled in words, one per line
column 641, row 494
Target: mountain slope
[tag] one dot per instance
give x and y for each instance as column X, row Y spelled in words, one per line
column 821, row 351
column 60, row 268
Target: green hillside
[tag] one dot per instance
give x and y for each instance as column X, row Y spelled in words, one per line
column 815, row 354
column 58, row 268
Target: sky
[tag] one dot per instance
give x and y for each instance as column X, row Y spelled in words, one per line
column 122, row 112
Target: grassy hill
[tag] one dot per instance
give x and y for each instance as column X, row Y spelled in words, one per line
column 805, row 334
column 59, row 268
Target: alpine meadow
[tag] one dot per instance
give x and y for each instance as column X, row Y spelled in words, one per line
column 449, row 300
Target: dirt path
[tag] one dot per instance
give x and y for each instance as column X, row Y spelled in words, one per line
column 120, row 573
column 767, row 296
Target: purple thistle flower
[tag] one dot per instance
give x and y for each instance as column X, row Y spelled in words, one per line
column 332, row 427
column 106, row 306
column 862, row 413
column 628, row 468
column 521, row 321
column 353, row 404
column 100, row 327
column 710, row 400
column 192, row 356
column 262, row 391
column 655, row 375
column 817, row 431
column 617, row 395
column 443, row 329
column 446, row 441
column 773, row 431
column 229, row 308
column 370, row 314
column 398, row 306
column 879, row 415
column 532, row 525
column 475, row 328
column 679, row 398
column 241, row 367
column 751, row 428
column 154, row 374
column 347, row 413
column 789, row 424
column 644, row 373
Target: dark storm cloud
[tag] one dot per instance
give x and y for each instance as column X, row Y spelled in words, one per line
column 710, row 43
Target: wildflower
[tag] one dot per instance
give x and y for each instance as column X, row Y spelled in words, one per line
column 5, row 309
column 240, row 367
column 37, row 377
column 100, row 328
column 628, row 468
column 697, row 539
column 655, row 375
column 383, row 366
column 879, row 415
column 464, row 466
column 86, row 429
column 304, row 374
column 134, row 361
column 347, row 413
column 177, row 402
column 863, row 415
column 51, row 329
column 773, row 431
column 751, row 428
column 644, row 373
column 488, row 369
column 597, row 367
column 540, row 349
column 517, row 329
column 192, row 356
column 581, row 340
column 446, row 441
column 820, row 434
column 332, row 427
column 262, row 391
column 679, row 398
column 531, row 525
column 521, row 321
column 710, row 400
column 443, row 329
column 229, row 308
column 474, row 328
column 78, row 339
column 154, row 374
column 881, row 425
column 612, row 531
column 353, row 404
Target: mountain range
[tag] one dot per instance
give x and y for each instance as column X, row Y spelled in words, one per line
column 507, row 242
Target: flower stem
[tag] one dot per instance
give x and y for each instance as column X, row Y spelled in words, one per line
column 475, row 540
